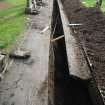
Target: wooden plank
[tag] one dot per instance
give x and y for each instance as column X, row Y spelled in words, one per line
column 76, row 61
column 58, row 38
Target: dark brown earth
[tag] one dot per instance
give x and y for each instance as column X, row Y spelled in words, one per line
column 91, row 35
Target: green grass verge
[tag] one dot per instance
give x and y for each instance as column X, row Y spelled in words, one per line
column 91, row 3
column 12, row 22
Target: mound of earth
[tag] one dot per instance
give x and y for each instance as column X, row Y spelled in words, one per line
column 91, row 34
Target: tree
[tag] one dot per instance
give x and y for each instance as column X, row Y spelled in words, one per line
column 99, row 3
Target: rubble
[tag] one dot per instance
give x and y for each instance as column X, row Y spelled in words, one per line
column 20, row 54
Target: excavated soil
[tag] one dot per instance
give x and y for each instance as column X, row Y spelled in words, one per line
column 91, row 35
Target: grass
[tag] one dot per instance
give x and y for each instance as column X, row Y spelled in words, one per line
column 12, row 22
column 91, row 3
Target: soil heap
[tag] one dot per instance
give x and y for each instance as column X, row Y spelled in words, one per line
column 91, row 34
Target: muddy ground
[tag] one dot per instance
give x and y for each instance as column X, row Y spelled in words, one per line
column 91, row 35
column 26, row 82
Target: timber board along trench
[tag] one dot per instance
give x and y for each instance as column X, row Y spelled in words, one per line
column 77, row 63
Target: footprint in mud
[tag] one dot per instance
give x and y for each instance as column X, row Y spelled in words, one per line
column 13, row 103
column 12, row 95
column 5, row 103
column 35, row 25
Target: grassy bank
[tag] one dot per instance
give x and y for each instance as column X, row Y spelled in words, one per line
column 12, row 21
column 91, row 3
